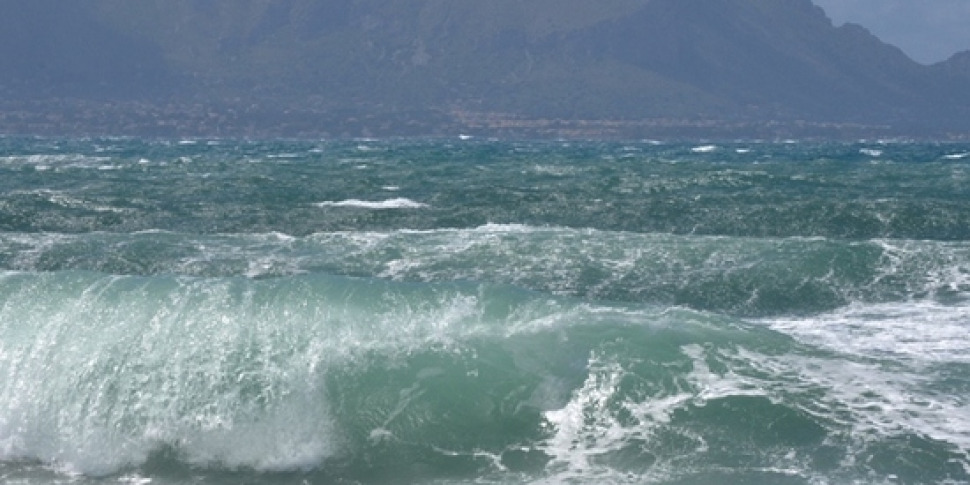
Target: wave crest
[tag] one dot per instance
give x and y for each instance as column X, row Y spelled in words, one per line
column 396, row 203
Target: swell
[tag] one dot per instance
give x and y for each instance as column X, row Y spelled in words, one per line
column 417, row 312
column 335, row 379
column 105, row 374
column 738, row 276
column 102, row 371
column 907, row 192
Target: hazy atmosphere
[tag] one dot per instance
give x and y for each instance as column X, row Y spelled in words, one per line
column 484, row 242
column 564, row 68
column 928, row 30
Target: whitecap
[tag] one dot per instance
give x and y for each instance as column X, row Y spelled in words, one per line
column 872, row 400
column 919, row 331
column 872, row 152
column 704, row 149
column 956, row 156
column 396, row 203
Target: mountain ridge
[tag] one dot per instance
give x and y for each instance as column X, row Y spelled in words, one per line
column 352, row 67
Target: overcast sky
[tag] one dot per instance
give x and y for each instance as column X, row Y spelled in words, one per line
column 927, row 30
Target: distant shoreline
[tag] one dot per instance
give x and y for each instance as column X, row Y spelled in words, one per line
column 68, row 117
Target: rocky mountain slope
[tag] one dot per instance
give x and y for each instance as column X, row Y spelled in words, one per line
column 413, row 66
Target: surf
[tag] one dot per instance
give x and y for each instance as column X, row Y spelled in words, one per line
column 315, row 373
column 426, row 311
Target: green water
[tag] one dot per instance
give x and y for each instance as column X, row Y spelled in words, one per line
column 434, row 311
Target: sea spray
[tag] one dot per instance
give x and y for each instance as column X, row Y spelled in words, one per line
column 441, row 311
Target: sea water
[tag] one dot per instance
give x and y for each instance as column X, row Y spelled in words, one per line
column 469, row 311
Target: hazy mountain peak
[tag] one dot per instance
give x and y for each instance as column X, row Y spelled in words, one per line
column 738, row 60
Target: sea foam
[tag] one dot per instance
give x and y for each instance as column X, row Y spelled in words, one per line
column 396, row 203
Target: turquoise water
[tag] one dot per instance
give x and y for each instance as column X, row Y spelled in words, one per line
column 470, row 311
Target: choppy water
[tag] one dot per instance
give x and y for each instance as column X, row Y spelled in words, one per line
column 222, row 312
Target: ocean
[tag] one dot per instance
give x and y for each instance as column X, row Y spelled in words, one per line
column 475, row 311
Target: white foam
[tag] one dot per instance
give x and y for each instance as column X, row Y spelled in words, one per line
column 57, row 161
column 864, row 401
column 63, row 199
column 871, row 399
column 95, row 388
column 872, row 152
column 919, row 331
column 396, row 203
column 598, row 422
column 867, row 400
column 957, row 156
column 556, row 170
column 585, row 428
column 292, row 437
column 704, row 149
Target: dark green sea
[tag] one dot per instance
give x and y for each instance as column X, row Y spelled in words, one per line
column 483, row 312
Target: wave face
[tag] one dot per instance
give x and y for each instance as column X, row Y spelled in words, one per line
column 483, row 312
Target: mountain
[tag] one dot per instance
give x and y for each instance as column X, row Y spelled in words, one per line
column 50, row 48
column 513, row 67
